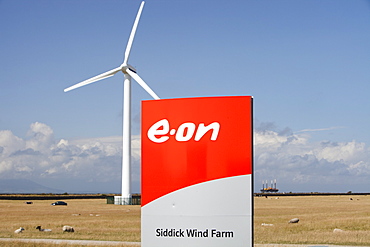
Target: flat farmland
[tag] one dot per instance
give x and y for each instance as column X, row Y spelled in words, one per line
column 318, row 215
column 93, row 219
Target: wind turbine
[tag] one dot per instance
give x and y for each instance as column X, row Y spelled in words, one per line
column 129, row 72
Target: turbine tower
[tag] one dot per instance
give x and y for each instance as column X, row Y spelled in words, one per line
column 129, row 72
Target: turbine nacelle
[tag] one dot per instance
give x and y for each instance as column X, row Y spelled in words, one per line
column 125, row 67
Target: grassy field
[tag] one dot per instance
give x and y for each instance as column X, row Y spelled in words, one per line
column 319, row 216
column 20, row 244
column 93, row 219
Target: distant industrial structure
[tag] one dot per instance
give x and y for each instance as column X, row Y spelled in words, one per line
column 267, row 188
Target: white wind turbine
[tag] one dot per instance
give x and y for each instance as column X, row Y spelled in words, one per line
column 129, row 72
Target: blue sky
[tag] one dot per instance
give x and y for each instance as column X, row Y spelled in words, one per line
column 305, row 62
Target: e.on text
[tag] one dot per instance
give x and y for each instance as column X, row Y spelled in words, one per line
column 161, row 131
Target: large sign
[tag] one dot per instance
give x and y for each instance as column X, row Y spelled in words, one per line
column 197, row 157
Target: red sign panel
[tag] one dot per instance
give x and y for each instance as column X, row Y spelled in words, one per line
column 194, row 140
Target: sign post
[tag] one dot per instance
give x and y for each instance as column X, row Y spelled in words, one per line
column 197, row 162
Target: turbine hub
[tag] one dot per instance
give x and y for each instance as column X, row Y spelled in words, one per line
column 125, row 67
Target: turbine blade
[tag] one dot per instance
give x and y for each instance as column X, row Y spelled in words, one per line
column 94, row 79
column 142, row 83
column 132, row 35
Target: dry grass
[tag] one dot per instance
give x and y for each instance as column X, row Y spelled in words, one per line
column 97, row 220
column 319, row 216
column 22, row 244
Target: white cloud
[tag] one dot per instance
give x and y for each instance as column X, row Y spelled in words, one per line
column 10, row 143
column 5, row 165
column 300, row 164
column 41, row 137
column 296, row 162
column 322, row 129
column 40, row 156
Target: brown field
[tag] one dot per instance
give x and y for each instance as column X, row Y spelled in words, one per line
column 20, row 244
column 96, row 220
column 319, row 216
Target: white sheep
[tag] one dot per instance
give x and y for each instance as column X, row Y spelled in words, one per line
column 68, row 229
column 264, row 224
column 43, row 230
column 336, row 230
column 20, row 230
column 295, row 220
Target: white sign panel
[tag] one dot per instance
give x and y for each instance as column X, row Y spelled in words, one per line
column 197, row 157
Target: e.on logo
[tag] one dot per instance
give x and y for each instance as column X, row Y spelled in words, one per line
column 160, row 131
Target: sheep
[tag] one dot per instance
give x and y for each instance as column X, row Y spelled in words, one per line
column 68, row 229
column 264, row 224
column 20, row 230
column 94, row 215
column 336, row 230
column 295, row 220
column 43, row 230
